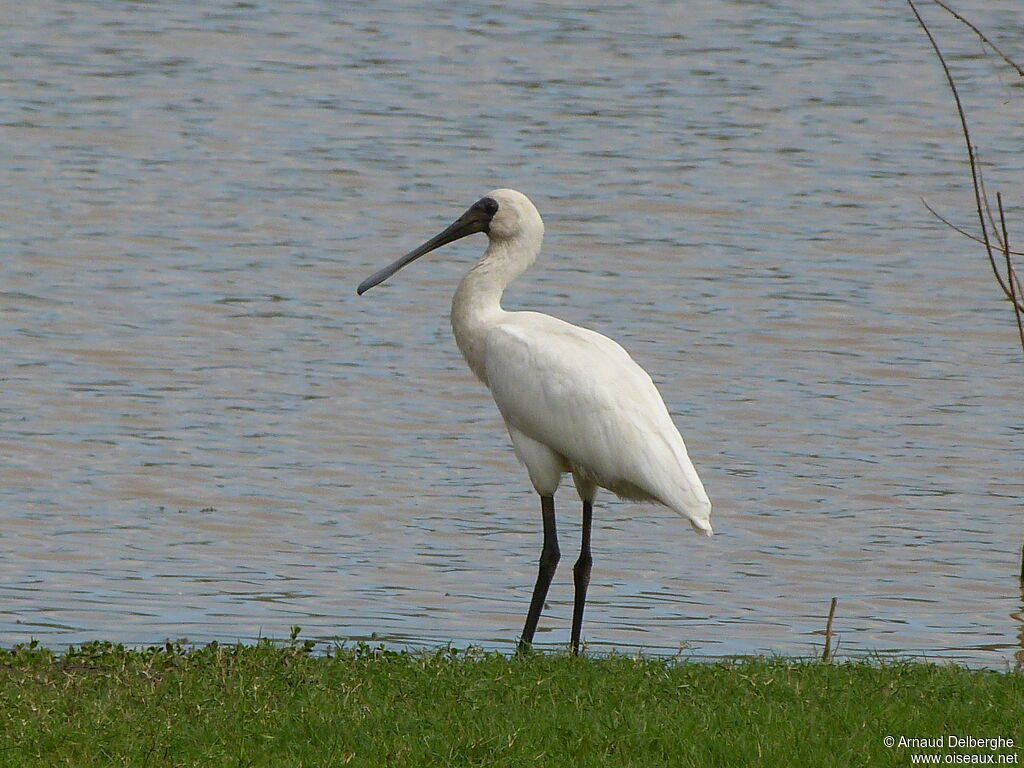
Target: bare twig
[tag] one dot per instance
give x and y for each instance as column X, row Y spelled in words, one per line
column 984, row 199
column 980, row 198
column 980, row 34
column 1011, row 276
column 1011, row 287
column 826, row 655
column 966, row 234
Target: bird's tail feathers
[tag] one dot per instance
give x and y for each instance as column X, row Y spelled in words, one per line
column 690, row 500
column 701, row 522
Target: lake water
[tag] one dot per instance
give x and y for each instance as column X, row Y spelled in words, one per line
column 205, row 434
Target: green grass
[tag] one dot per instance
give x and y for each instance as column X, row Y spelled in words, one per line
column 270, row 705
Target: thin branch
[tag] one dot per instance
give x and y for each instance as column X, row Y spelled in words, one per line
column 1010, row 274
column 963, row 232
column 978, row 196
column 826, row 655
column 1016, row 281
column 984, row 199
column 979, row 33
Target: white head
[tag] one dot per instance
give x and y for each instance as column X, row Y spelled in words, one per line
column 503, row 214
column 515, row 216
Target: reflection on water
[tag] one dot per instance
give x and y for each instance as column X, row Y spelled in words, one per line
column 204, row 433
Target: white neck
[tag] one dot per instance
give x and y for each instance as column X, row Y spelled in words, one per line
column 476, row 306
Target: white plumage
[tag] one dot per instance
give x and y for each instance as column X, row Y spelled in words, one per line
column 573, row 400
column 595, row 409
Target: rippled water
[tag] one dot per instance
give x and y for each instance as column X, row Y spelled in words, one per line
column 204, row 433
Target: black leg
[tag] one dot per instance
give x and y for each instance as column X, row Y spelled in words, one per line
column 548, row 562
column 581, row 577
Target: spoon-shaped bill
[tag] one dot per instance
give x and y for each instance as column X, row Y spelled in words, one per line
column 476, row 219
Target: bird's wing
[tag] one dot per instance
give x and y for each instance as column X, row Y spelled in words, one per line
column 582, row 395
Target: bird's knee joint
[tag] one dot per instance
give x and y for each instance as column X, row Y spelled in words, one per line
column 549, row 557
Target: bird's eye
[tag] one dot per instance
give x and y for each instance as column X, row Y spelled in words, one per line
column 488, row 205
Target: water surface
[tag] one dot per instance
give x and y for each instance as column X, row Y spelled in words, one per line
column 205, row 433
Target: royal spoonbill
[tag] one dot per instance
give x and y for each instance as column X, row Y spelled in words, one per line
column 573, row 400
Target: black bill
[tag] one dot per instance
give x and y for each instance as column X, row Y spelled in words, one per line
column 476, row 219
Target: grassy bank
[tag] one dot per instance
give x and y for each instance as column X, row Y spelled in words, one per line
column 265, row 705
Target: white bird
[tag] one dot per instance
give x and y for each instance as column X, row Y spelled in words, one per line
column 573, row 400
